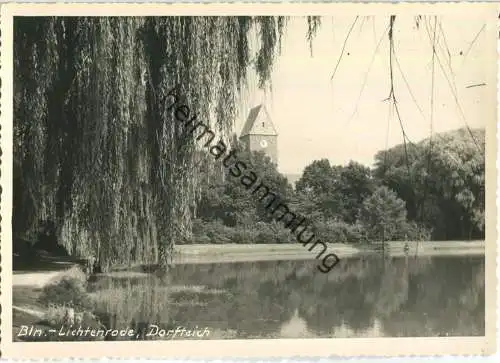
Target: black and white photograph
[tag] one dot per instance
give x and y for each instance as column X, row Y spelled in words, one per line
column 248, row 177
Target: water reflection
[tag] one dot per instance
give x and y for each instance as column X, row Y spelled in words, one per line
column 438, row 296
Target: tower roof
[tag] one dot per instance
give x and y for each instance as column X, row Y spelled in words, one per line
column 258, row 123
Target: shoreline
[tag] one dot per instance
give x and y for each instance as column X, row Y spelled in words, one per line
column 228, row 253
column 225, row 253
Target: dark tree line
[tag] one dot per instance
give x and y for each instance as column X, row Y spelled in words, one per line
column 433, row 191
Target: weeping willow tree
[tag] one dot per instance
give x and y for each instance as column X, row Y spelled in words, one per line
column 96, row 150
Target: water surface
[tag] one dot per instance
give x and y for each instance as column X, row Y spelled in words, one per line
column 360, row 297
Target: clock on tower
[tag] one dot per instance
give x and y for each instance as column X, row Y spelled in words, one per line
column 259, row 133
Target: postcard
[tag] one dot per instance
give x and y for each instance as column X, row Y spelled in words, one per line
column 248, row 180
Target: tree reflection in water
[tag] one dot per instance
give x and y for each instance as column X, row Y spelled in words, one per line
column 370, row 296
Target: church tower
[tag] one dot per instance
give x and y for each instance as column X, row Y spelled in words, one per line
column 259, row 133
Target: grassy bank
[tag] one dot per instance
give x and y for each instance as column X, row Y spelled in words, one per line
column 262, row 252
column 53, row 297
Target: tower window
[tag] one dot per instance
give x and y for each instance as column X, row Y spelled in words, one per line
column 262, row 124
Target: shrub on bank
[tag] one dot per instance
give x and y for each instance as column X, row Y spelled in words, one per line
column 61, row 315
column 265, row 236
column 243, row 235
column 201, row 240
column 215, row 232
column 68, row 290
column 69, row 304
column 340, row 231
column 284, row 235
column 411, row 231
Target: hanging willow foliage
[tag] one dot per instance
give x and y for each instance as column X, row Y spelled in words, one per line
column 96, row 149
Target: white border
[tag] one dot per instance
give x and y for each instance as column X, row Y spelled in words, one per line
column 237, row 348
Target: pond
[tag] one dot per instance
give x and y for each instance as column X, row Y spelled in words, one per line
column 361, row 297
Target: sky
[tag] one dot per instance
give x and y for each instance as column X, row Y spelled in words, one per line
column 318, row 117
